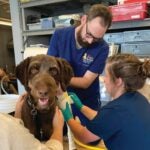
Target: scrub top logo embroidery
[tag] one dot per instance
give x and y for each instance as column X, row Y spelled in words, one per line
column 87, row 59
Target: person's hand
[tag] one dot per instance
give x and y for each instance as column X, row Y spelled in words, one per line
column 62, row 98
column 58, row 123
column 76, row 100
column 58, row 120
column 19, row 104
column 67, row 112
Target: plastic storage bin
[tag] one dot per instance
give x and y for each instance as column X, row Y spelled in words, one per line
column 114, row 37
column 47, row 23
column 139, row 36
column 139, row 49
column 131, row 11
column 34, row 26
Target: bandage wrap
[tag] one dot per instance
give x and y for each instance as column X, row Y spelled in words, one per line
column 64, row 102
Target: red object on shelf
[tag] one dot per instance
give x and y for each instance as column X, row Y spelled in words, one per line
column 134, row 1
column 130, row 11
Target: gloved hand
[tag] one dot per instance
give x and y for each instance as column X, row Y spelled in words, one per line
column 67, row 112
column 64, row 102
column 63, row 99
column 76, row 100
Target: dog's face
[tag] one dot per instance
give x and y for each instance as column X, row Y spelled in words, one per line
column 41, row 76
column 43, row 90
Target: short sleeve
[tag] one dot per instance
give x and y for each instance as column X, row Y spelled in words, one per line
column 99, row 61
column 105, row 124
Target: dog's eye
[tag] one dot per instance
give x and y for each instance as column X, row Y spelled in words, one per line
column 34, row 69
column 53, row 71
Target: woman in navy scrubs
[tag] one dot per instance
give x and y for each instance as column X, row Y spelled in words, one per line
column 124, row 123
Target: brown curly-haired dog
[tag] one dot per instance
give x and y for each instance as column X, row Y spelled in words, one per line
column 41, row 75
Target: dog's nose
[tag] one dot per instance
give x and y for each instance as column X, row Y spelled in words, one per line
column 43, row 93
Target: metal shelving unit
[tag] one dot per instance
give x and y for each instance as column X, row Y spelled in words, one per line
column 38, row 32
column 34, row 3
column 38, row 4
column 24, row 7
column 125, row 25
column 131, row 24
column 115, row 26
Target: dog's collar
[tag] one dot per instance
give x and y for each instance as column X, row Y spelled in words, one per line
column 34, row 115
column 32, row 105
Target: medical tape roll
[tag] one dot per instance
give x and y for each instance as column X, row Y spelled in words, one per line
column 33, row 51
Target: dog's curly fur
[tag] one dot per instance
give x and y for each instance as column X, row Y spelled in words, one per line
column 41, row 76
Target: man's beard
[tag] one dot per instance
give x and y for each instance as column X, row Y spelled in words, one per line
column 80, row 39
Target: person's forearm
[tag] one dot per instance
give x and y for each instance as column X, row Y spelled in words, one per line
column 81, row 133
column 17, row 113
column 88, row 112
column 58, row 135
column 19, row 104
column 85, row 81
column 79, row 82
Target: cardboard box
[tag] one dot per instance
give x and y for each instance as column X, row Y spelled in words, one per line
column 131, row 11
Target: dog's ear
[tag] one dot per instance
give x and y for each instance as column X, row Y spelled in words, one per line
column 66, row 73
column 21, row 72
